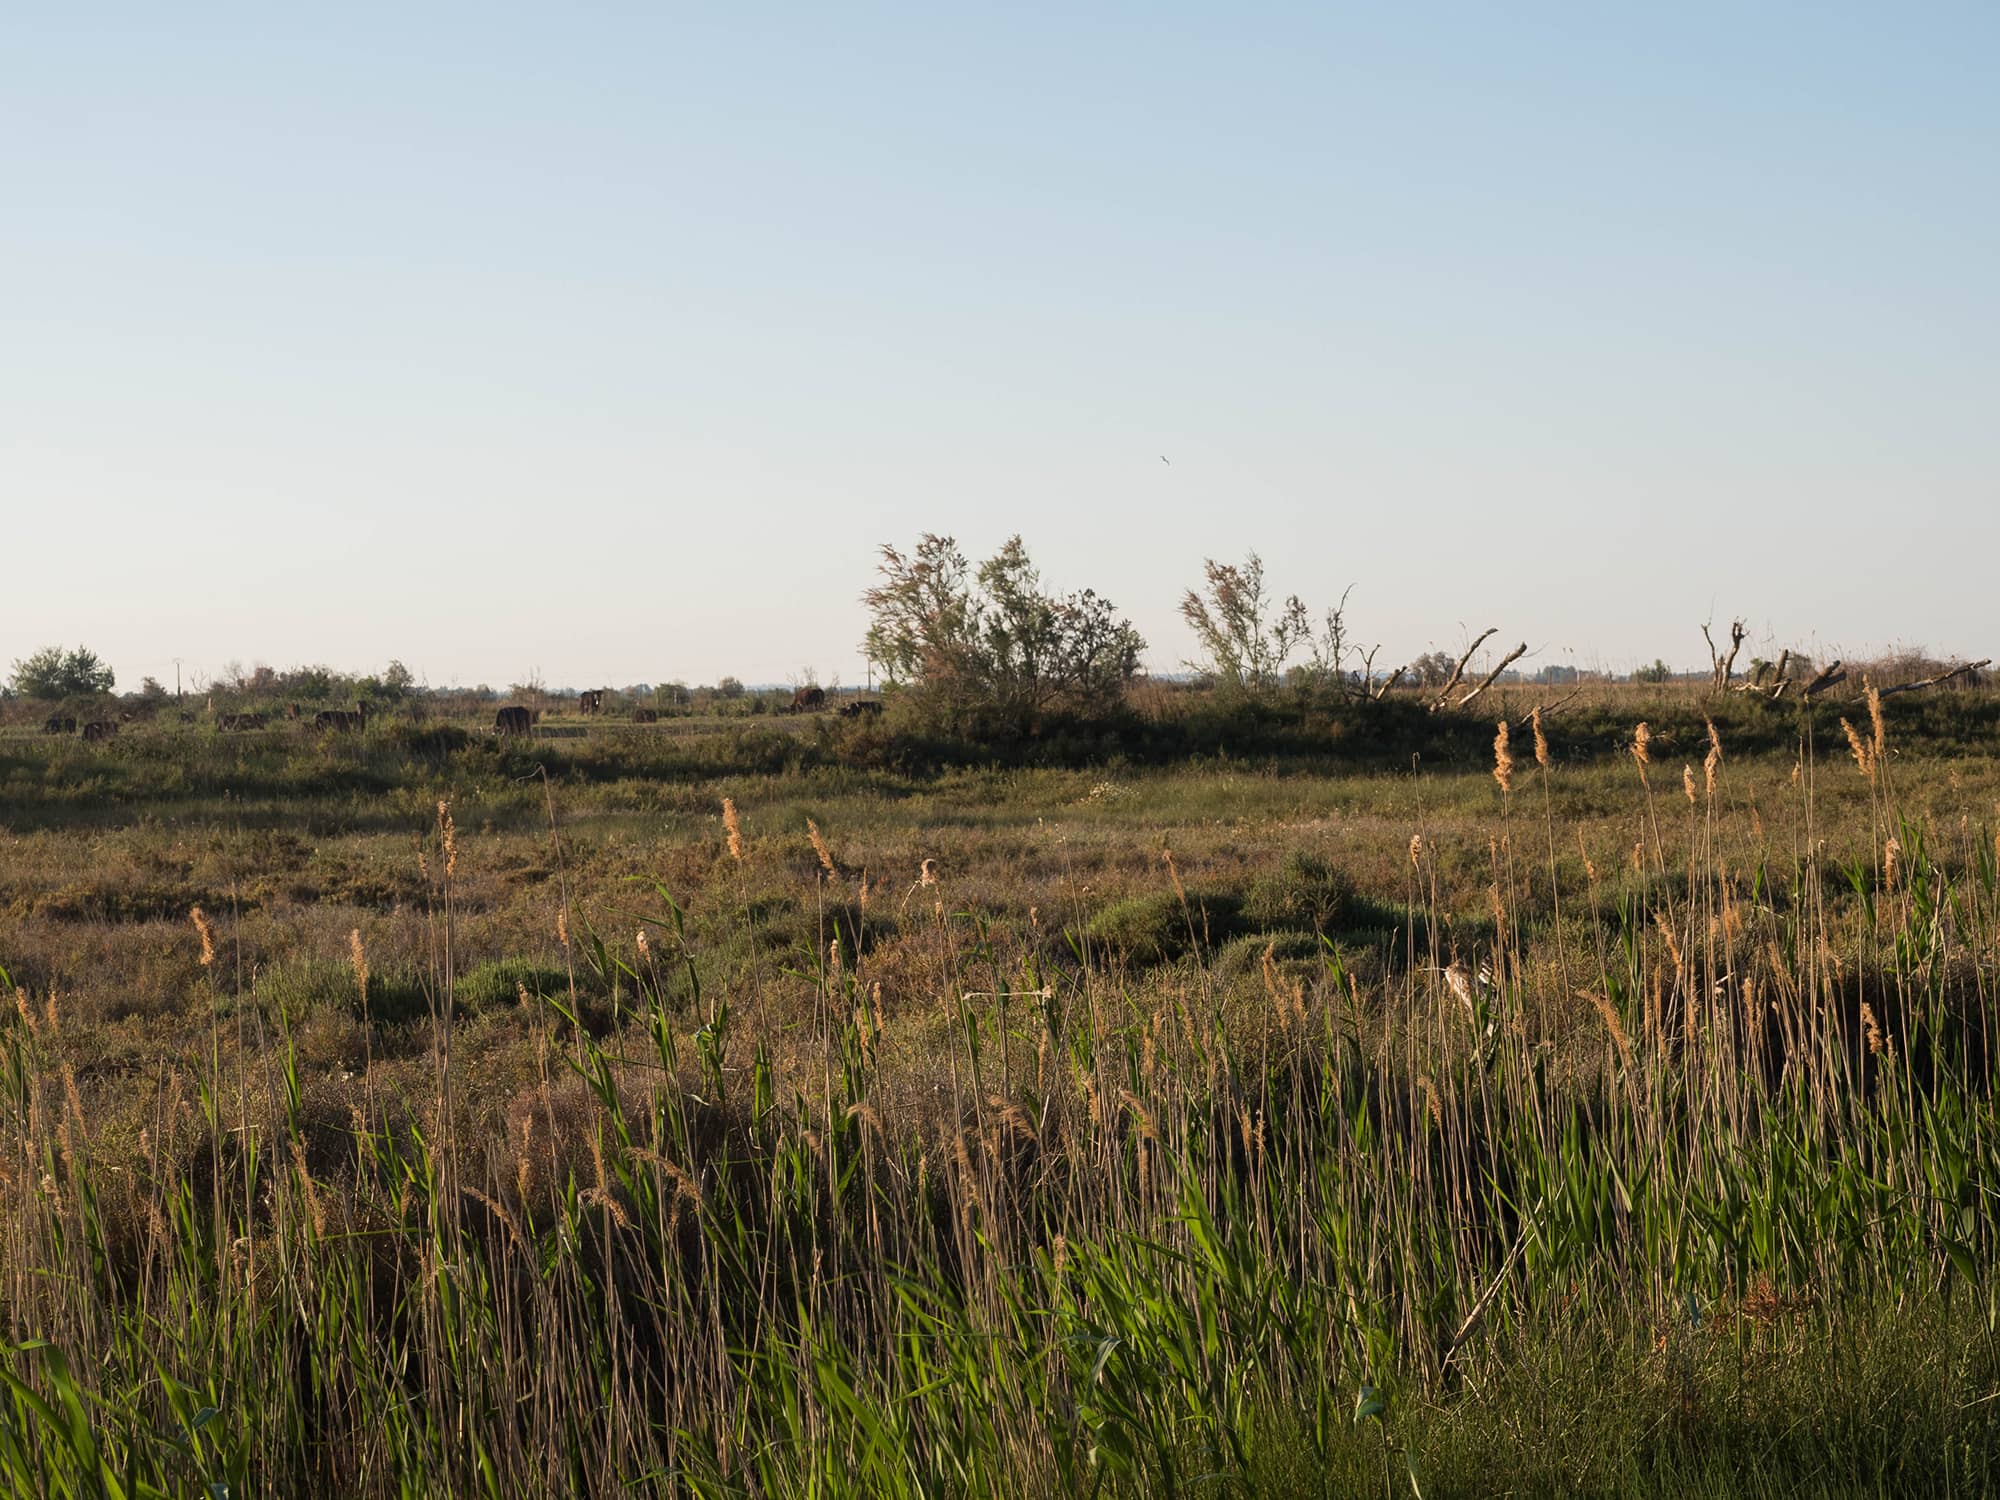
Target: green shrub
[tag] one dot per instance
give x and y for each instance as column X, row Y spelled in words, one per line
column 1159, row 927
column 500, row 981
column 1304, row 894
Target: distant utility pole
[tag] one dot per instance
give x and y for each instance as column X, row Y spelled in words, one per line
column 177, row 679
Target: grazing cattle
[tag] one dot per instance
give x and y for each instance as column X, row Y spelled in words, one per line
column 186, row 717
column 645, row 716
column 808, row 700
column 590, row 700
column 342, row 720
column 512, row 720
column 99, row 729
column 862, row 708
column 60, row 725
column 239, row 723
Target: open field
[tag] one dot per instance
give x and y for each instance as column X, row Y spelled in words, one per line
column 1273, row 1109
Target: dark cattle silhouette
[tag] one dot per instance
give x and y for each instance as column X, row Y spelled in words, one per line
column 808, row 700
column 342, row 720
column 99, row 729
column 862, row 708
column 60, row 725
column 590, row 700
column 512, row 720
column 240, row 722
column 645, row 716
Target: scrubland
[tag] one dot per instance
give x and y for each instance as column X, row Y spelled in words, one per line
column 1355, row 1106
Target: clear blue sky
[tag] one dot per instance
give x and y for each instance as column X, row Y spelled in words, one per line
column 611, row 341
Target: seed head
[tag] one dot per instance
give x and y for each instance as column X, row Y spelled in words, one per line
column 734, row 829
column 448, row 833
column 1641, row 738
column 201, row 926
column 1503, row 759
column 819, row 847
column 1864, row 757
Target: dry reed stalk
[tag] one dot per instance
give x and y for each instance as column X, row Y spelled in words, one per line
column 1503, row 759
column 1863, row 756
column 820, row 849
column 1642, row 737
column 1892, row 854
column 734, row 828
column 1174, row 874
column 1687, row 782
column 200, row 920
column 1879, row 743
column 448, row 835
column 1713, row 760
column 357, row 960
column 1873, row 1028
column 1609, row 1014
column 1541, row 740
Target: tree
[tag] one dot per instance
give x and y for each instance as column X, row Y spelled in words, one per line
column 53, row 673
column 397, row 680
column 1433, row 668
column 991, row 645
column 1659, row 671
column 1245, row 646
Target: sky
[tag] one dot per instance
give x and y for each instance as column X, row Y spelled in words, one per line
column 607, row 344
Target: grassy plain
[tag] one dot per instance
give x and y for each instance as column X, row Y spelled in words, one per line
column 1299, row 1115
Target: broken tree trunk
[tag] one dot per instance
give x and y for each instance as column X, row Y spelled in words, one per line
column 1970, row 669
column 1487, row 681
column 1459, row 671
column 1833, row 674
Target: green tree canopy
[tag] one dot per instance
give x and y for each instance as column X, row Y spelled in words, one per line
column 53, row 673
column 991, row 644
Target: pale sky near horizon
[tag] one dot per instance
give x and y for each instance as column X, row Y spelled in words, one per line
column 608, row 342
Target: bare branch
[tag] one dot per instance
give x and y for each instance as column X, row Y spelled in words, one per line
column 1970, row 669
column 1487, row 681
column 1459, row 670
column 1826, row 679
column 1393, row 678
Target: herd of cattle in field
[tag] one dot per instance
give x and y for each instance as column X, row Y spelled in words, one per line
column 514, row 719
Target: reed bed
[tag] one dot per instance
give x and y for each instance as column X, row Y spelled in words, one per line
column 1683, row 1183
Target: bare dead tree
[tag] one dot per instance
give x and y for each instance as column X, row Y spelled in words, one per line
column 1722, row 668
column 1393, row 678
column 1459, row 671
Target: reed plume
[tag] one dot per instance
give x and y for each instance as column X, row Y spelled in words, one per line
column 201, row 926
column 1864, row 757
column 734, row 829
column 819, row 848
column 1503, row 759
